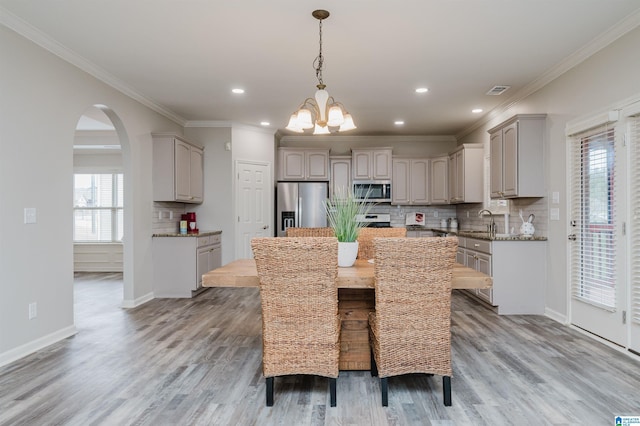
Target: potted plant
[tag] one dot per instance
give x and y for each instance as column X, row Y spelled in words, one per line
column 341, row 214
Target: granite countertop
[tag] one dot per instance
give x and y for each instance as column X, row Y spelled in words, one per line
column 481, row 235
column 177, row 234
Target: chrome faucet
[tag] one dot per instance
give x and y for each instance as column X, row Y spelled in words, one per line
column 491, row 228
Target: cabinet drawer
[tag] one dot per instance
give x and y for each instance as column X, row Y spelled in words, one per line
column 215, row 239
column 203, row 241
column 478, row 245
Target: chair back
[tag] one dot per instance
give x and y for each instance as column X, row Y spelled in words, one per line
column 413, row 304
column 366, row 236
column 299, row 296
column 310, row 232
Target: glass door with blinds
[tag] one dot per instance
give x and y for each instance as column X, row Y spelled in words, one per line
column 597, row 240
column 634, row 167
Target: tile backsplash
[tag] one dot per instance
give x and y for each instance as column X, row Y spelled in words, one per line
column 166, row 217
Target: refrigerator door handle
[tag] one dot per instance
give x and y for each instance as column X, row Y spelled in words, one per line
column 299, row 223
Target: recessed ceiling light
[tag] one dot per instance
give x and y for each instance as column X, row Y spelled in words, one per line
column 264, row 123
column 476, row 110
column 237, row 91
column 422, row 90
column 398, row 122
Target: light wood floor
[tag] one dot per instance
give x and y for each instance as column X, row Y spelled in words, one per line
column 183, row 362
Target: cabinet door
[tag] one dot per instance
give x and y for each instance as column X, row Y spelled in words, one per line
column 495, row 164
column 460, row 256
column 317, row 165
column 460, row 171
column 202, row 266
column 292, row 165
column 340, row 176
column 382, row 165
column 483, row 264
column 182, row 169
column 361, row 165
column 418, row 181
column 401, row 184
column 439, row 181
column 454, row 196
column 510, row 159
column 196, row 168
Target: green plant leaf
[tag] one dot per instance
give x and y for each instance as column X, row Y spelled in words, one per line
column 342, row 211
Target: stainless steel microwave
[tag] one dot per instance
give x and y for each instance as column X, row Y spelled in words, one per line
column 379, row 190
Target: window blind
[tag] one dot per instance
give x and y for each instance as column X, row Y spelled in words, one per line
column 634, row 141
column 593, row 210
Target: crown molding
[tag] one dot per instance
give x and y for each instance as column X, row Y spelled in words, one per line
column 31, row 33
column 376, row 140
column 597, row 44
column 208, row 123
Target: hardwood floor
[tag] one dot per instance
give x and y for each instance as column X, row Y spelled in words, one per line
column 197, row 361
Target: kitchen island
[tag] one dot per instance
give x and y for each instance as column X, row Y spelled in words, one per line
column 356, row 299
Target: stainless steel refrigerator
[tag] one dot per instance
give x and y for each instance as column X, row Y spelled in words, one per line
column 300, row 204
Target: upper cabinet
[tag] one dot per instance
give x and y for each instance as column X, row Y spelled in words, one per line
column 465, row 174
column 340, row 179
column 439, row 180
column 371, row 164
column 410, row 184
column 178, row 169
column 303, row 164
column 516, row 158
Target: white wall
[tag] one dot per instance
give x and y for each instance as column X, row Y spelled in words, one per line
column 607, row 77
column 42, row 100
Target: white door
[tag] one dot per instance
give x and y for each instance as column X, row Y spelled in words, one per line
column 634, row 305
column 254, row 205
column 597, row 240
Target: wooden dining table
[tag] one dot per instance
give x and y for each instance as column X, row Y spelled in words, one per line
column 356, row 298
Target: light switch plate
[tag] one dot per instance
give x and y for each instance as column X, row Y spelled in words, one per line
column 555, row 197
column 554, row 213
column 29, row 215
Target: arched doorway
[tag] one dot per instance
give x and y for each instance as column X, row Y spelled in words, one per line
column 101, row 153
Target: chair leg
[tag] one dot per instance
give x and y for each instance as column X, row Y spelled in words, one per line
column 374, row 366
column 384, row 385
column 332, row 390
column 270, row 391
column 446, row 390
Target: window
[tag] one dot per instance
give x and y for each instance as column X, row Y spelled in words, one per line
column 98, row 207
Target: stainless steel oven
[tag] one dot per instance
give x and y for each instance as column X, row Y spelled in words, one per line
column 379, row 190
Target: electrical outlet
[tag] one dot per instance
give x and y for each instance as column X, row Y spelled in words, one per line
column 435, row 213
column 29, row 215
column 467, row 214
column 33, row 310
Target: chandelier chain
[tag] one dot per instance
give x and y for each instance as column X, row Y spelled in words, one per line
column 318, row 62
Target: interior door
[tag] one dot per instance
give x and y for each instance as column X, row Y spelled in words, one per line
column 254, row 197
column 597, row 260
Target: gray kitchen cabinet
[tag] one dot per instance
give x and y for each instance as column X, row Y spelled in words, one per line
column 516, row 157
column 439, row 180
column 465, row 174
column 300, row 164
column 518, row 272
column 371, row 164
column 180, row 261
column 340, row 178
column 410, row 181
column 178, row 169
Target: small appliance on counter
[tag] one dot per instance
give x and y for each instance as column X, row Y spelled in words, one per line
column 190, row 218
column 453, row 223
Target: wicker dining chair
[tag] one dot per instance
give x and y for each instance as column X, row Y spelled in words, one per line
column 366, row 236
column 299, row 297
column 410, row 329
column 310, row 232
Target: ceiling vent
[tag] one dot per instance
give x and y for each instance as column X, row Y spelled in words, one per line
column 498, row 90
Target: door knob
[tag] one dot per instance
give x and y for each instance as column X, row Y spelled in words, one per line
column 572, row 237
column 265, row 227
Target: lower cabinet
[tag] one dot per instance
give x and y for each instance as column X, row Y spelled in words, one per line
column 180, row 261
column 517, row 268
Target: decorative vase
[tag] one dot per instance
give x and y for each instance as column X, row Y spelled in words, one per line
column 347, row 253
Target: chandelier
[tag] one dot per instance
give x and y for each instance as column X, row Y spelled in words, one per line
column 321, row 112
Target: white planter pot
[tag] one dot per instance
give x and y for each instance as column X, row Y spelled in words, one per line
column 347, row 253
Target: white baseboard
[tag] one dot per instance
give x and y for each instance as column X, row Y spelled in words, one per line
column 31, row 347
column 128, row 303
column 556, row 316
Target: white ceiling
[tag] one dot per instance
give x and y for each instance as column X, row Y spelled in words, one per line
column 184, row 57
